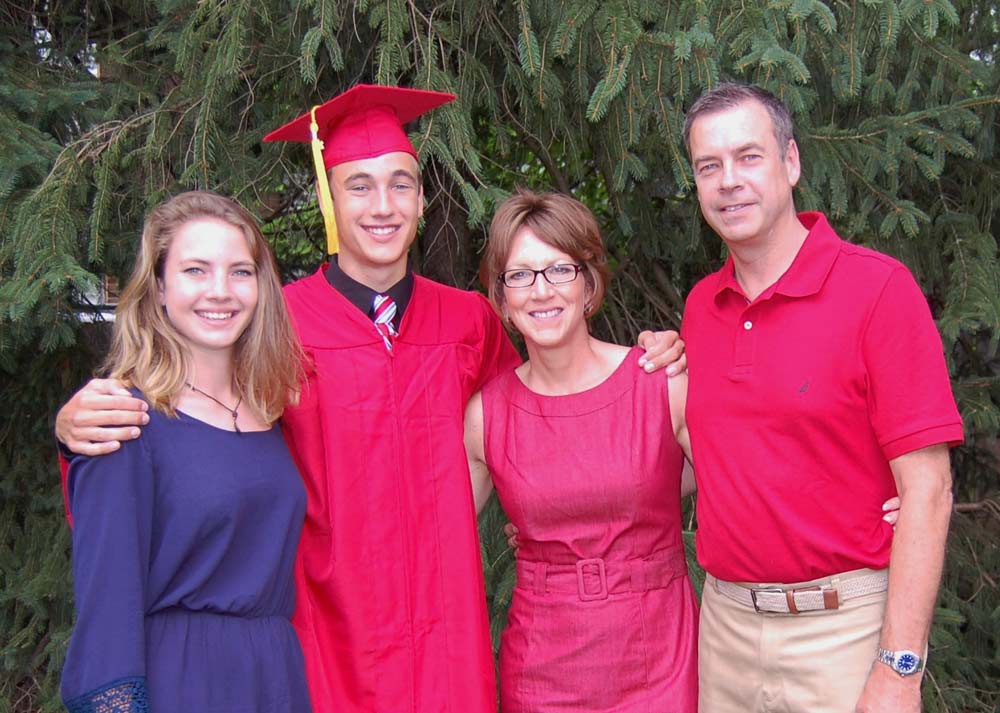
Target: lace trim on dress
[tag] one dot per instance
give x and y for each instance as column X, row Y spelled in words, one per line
column 126, row 695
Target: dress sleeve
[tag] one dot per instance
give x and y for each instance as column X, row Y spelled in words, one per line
column 111, row 500
column 499, row 354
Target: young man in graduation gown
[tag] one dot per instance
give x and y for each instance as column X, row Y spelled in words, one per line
column 390, row 588
column 390, row 607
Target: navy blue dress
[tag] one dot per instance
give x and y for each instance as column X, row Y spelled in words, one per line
column 183, row 551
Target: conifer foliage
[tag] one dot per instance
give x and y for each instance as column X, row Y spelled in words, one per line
column 105, row 108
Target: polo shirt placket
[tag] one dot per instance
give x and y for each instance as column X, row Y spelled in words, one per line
column 745, row 335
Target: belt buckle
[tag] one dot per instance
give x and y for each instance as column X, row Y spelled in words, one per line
column 586, row 596
column 831, row 596
column 766, row 590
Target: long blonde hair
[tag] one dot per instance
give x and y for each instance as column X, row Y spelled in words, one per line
column 149, row 354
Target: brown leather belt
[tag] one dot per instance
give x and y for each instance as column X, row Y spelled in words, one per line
column 596, row 578
column 795, row 598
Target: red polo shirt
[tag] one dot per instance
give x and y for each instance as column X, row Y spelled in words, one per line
column 798, row 400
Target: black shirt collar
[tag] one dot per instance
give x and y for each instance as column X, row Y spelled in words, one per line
column 362, row 296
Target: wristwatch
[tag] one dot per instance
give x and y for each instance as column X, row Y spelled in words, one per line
column 903, row 662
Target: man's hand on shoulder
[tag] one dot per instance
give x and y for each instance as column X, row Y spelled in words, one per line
column 663, row 349
column 99, row 417
column 886, row 691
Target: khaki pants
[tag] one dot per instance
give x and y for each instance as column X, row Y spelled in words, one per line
column 812, row 662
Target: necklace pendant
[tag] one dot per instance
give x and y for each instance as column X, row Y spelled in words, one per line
column 234, row 412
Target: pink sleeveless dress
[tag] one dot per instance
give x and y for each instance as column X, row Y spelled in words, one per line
column 603, row 616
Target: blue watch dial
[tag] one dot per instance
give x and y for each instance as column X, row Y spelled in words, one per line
column 906, row 663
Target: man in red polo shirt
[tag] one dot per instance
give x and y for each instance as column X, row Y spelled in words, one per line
column 818, row 390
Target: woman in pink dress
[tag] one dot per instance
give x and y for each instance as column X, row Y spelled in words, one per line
column 586, row 452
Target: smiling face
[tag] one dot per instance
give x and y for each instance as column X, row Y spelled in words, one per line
column 744, row 177
column 378, row 202
column 208, row 286
column 546, row 315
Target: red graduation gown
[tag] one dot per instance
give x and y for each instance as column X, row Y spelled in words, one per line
column 390, row 604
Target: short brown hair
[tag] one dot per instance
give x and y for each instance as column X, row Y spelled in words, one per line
column 149, row 354
column 557, row 220
column 731, row 94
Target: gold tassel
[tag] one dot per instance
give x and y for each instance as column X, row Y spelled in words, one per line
column 325, row 200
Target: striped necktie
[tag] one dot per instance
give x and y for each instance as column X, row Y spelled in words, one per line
column 384, row 310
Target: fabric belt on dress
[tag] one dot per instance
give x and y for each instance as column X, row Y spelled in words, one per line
column 795, row 598
column 596, row 578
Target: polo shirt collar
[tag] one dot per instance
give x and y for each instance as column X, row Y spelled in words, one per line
column 808, row 271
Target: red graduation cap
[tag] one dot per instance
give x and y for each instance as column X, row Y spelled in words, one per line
column 364, row 122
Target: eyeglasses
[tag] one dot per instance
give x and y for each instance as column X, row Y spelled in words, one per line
column 558, row 274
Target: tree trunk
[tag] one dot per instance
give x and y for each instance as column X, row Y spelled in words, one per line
column 445, row 251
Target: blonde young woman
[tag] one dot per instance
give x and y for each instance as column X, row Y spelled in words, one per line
column 184, row 539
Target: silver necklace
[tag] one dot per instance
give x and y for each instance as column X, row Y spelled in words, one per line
column 234, row 412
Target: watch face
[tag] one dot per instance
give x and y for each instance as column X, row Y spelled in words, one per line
column 907, row 662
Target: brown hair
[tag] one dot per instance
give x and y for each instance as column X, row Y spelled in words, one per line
column 731, row 94
column 557, row 220
column 149, row 354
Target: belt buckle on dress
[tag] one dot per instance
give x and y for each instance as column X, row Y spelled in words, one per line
column 586, row 596
column 766, row 590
